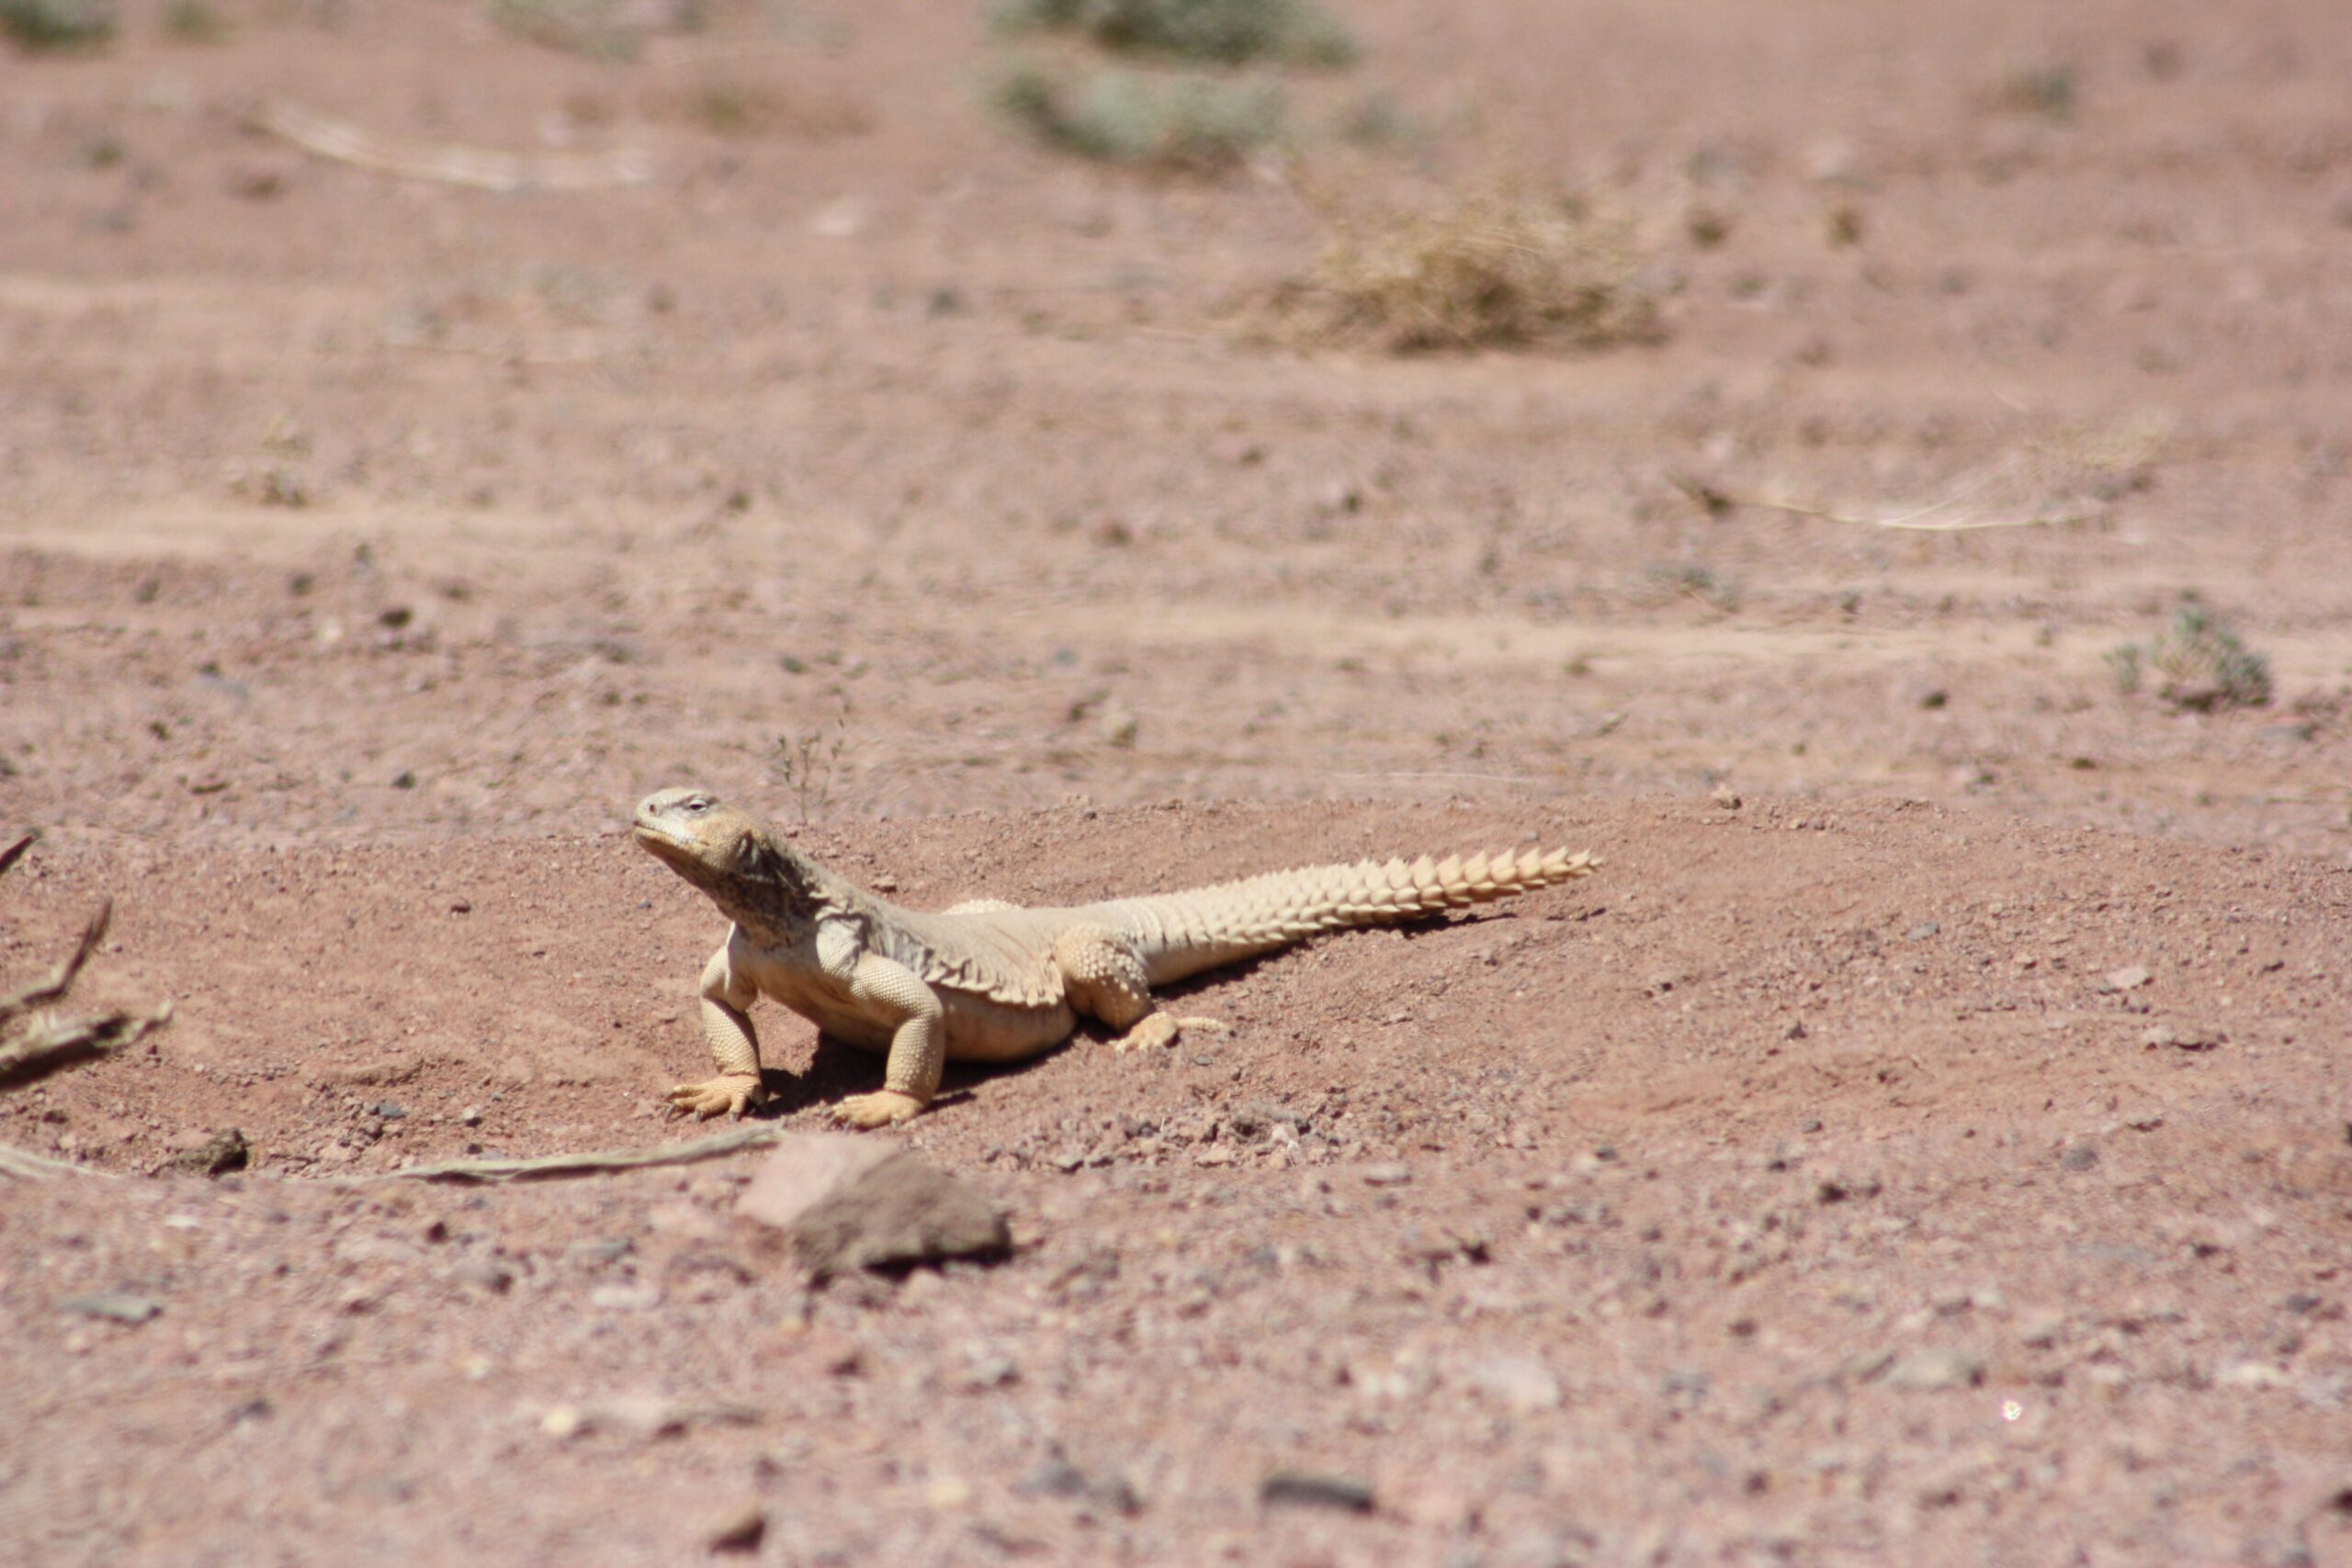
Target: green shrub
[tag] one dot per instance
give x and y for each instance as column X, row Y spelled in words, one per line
column 51, row 25
column 2198, row 662
column 1223, row 32
column 1184, row 123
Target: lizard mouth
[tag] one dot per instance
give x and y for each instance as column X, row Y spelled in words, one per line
column 657, row 836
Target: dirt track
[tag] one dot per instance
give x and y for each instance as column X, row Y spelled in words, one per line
column 1805, row 1187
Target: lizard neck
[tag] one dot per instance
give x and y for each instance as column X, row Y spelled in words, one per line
column 769, row 890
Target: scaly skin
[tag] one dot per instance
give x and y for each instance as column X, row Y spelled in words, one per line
column 988, row 981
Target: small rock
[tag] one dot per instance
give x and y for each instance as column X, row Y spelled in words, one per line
column 1389, row 1175
column 391, row 1111
column 564, row 1422
column 2252, row 1374
column 840, row 1202
column 483, row 1274
column 2130, row 979
column 1924, row 930
column 1311, row 1489
column 1059, row 1478
column 1119, row 726
column 634, row 1297
column 1927, row 1371
column 113, row 1306
column 470, row 1116
column 739, row 1529
column 221, row 1153
column 1523, row 1383
column 2079, row 1157
column 2182, row 1037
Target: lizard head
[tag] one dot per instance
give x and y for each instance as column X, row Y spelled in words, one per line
column 722, row 851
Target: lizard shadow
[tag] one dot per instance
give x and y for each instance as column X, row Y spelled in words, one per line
column 838, row 1070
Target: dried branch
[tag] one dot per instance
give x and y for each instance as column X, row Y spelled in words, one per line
column 42, row 993
column 57, row 1045
column 26, row 1166
column 449, row 163
column 593, row 1163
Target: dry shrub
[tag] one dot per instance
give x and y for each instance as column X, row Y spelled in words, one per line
column 1502, row 267
column 34, row 1040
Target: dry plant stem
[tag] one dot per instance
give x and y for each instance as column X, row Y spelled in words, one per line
column 52, row 1047
column 449, row 163
column 26, row 1166
column 61, row 979
column 596, row 1162
column 15, row 851
column 1912, row 522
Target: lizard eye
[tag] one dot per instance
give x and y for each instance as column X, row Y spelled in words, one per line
column 695, row 804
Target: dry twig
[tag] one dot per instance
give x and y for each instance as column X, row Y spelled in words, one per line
column 594, row 1162
column 450, row 162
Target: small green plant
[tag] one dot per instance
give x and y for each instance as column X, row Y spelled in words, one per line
column 1501, row 266
column 1221, row 32
column 1692, row 581
column 194, row 21
column 601, row 30
column 1185, row 124
column 2199, row 663
column 38, row 26
column 1377, row 119
column 2049, row 91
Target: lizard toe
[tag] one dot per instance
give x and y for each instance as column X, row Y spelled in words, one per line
column 1158, row 1029
column 728, row 1095
column 884, row 1108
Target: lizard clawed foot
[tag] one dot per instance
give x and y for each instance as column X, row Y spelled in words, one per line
column 886, row 1108
column 1158, row 1029
column 730, row 1094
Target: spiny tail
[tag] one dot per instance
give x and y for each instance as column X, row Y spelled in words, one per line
column 1183, row 933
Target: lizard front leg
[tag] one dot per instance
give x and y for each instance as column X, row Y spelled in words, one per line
column 734, row 1045
column 1106, row 981
column 891, row 994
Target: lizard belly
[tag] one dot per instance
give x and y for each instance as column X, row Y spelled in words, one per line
column 979, row 1029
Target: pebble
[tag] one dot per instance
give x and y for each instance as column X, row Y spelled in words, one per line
column 2130, row 979
column 1313, row 1489
column 638, row 1297
column 113, row 1306
column 737, row 1529
column 2079, row 1157
column 2182, row 1037
column 1390, row 1175
column 1523, row 1383
column 1928, row 1370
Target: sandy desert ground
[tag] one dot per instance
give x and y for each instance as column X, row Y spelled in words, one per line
column 1926, row 1141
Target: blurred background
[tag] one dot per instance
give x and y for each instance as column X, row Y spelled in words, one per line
column 464, row 415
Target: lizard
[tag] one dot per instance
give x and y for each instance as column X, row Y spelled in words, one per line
column 990, row 981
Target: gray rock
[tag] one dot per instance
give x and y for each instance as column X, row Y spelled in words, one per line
column 840, row 1202
column 114, row 1306
column 1310, row 1489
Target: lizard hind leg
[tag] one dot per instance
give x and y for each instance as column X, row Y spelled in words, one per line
column 1105, row 980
